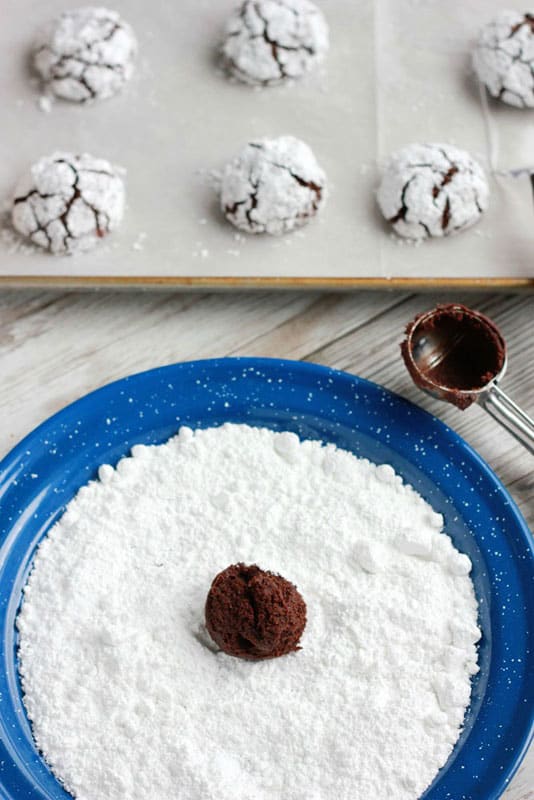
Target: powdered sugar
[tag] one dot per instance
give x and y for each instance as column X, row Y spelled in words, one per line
column 85, row 54
column 67, row 203
column 432, row 190
column 504, row 58
column 128, row 698
column 273, row 186
column 44, row 103
column 271, row 41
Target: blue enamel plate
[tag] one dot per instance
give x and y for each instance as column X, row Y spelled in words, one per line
column 41, row 475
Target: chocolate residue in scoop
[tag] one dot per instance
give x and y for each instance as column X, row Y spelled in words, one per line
column 254, row 614
column 461, row 351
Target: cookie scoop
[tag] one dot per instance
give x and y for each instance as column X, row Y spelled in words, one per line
column 458, row 355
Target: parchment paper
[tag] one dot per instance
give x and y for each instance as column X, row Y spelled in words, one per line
column 397, row 72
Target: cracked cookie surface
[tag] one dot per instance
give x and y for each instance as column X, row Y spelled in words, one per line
column 504, row 58
column 66, row 203
column 273, row 186
column 430, row 190
column 85, row 54
column 272, row 41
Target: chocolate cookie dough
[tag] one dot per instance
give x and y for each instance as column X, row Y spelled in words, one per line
column 503, row 58
column 430, row 190
column 272, row 41
column 254, row 614
column 86, row 54
column 67, row 203
column 272, row 186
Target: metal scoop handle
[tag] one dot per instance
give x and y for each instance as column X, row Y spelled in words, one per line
column 508, row 413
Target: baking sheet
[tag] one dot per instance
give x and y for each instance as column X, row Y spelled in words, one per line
column 397, row 71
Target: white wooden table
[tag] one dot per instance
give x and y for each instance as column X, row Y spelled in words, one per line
column 56, row 346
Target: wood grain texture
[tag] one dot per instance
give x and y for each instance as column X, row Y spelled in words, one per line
column 56, row 346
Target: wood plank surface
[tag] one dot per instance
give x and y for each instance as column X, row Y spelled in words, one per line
column 56, row 345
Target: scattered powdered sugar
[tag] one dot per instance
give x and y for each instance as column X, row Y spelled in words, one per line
column 271, row 41
column 127, row 695
column 86, row 54
column 139, row 243
column 503, row 58
column 273, row 186
column 200, row 251
column 432, row 190
column 211, row 178
column 44, row 103
column 66, row 203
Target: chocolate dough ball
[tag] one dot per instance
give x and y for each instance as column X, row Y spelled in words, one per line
column 432, row 190
column 67, row 203
column 504, row 58
column 85, row 54
column 274, row 41
column 273, row 186
column 254, row 614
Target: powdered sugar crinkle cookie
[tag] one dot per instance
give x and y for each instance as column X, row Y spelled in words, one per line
column 273, row 186
column 271, row 41
column 66, row 203
column 85, row 54
column 432, row 190
column 504, row 58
